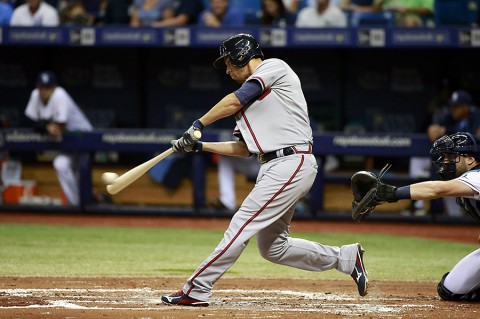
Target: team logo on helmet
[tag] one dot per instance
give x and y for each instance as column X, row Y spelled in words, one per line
column 241, row 48
column 244, row 47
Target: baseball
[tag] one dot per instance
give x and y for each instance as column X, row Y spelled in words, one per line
column 109, row 177
column 197, row 134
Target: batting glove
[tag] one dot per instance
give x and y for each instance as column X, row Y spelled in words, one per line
column 179, row 146
column 189, row 135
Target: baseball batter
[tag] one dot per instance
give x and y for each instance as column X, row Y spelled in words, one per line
column 271, row 123
column 456, row 159
column 54, row 111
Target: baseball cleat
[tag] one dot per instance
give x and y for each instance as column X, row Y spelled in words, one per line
column 359, row 274
column 178, row 298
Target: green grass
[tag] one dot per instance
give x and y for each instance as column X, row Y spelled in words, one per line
column 38, row 250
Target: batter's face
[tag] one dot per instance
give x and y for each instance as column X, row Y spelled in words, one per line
column 238, row 74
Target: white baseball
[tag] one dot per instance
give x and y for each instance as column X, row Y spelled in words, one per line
column 109, row 177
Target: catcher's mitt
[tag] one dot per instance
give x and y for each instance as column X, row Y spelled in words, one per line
column 369, row 191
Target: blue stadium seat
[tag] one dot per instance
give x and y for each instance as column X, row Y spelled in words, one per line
column 251, row 10
column 368, row 19
column 455, row 12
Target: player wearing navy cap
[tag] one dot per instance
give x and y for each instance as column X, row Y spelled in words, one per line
column 272, row 123
column 53, row 111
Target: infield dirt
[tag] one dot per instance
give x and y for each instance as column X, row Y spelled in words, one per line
column 120, row 298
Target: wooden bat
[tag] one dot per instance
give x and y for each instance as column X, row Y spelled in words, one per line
column 135, row 173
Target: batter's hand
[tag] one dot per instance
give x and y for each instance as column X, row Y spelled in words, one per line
column 179, row 146
column 189, row 135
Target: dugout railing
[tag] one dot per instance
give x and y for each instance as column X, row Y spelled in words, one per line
column 152, row 141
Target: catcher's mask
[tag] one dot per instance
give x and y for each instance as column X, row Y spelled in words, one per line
column 241, row 48
column 446, row 150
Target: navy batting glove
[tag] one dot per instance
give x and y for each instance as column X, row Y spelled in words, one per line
column 189, row 135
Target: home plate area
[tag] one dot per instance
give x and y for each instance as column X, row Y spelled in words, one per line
column 241, row 298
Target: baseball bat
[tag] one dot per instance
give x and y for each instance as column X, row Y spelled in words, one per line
column 133, row 174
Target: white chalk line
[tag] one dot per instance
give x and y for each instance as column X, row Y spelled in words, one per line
column 255, row 300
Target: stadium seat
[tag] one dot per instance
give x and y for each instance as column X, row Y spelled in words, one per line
column 456, row 12
column 368, row 19
column 251, row 10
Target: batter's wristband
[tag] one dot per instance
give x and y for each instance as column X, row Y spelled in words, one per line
column 402, row 193
column 198, row 125
column 199, row 146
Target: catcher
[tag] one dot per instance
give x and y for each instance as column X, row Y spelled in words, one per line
column 456, row 159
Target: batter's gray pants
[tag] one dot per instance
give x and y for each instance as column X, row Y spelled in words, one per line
column 267, row 212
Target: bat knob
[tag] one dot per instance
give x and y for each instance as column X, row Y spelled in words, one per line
column 197, row 134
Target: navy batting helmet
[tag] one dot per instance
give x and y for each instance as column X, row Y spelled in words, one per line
column 241, row 48
column 461, row 143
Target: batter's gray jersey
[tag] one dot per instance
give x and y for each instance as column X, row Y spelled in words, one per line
column 274, row 121
column 279, row 117
column 60, row 109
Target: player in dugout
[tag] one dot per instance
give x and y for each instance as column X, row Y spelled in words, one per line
column 272, row 123
column 53, row 111
column 456, row 159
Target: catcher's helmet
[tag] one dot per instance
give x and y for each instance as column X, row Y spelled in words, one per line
column 462, row 143
column 241, row 48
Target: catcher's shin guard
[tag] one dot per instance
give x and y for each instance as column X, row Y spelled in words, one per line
column 447, row 295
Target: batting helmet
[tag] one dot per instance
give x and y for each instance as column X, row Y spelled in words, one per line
column 241, row 48
column 461, row 143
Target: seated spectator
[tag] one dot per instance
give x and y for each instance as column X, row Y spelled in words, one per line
column 293, row 6
column 186, row 12
column 275, row 14
column 322, row 15
column 6, row 11
column 75, row 14
column 114, row 12
column 366, row 12
column 221, row 14
column 408, row 13
column 147, row 12
column 35, row 13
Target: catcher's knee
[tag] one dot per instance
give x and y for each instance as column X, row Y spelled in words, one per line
column 447, row 295
column 444, row 293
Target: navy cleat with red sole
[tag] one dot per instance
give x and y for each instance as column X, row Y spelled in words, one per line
column 359, row 274
column 178, row 298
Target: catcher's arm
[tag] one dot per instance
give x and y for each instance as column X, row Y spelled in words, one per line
column 369, row 191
